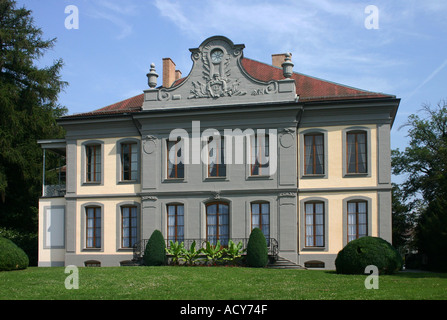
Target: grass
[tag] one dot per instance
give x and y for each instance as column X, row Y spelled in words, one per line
column 215, row 283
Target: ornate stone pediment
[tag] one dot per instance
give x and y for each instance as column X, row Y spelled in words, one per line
column 218, row 78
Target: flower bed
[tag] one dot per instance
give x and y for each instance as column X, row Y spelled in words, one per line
column 232, row 254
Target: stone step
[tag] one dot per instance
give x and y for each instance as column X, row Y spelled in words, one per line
column 283, row 263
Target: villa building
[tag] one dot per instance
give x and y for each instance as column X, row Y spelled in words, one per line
column 235, row 144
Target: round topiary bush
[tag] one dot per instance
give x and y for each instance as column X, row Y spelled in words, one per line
column 257, row 252
column 11, row 256
column 155, row 252
column 365, row 251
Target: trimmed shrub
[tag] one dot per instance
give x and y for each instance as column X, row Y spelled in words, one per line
column 257, row 252
column 359, row 253
column 11, row 256
column 155, row 251
column 25, row 241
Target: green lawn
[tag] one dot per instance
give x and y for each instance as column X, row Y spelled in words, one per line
column 215, row 283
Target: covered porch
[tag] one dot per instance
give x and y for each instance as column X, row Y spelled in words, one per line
column 54, row 169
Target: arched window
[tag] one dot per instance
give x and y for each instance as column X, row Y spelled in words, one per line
column 357, row 219
column 176, row 222
column 260, row 217
column 217, row 222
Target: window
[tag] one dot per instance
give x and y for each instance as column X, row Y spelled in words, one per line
column 356, row 152
column 357, row 219
column 259, row 155
column 176, row 168
column 92, row 263
column 260, row 217
column 314, row 221
column 93, row 157
column 176, row 222
column 93, row 231
column 217, row 222
column 129, row 228
column 313, row 154
column 129, row 161
column 216, row 157
column 54, row 222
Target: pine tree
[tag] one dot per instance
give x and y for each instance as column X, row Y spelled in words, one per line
column 28, row 110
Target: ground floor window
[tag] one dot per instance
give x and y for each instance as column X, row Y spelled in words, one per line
column 357, row 220
column 93, row 232
column 175, row 222
column 217, row 222
column 128, row 226
column 260, row 217
column 314, row 220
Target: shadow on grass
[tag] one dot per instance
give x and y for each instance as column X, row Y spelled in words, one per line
column 413, row 274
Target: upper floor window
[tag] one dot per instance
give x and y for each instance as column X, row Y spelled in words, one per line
column 176, row 167
column 93, row 162
column 93, row 228
column 314, row 154
column 259, row 164
column 356, row 154
column 129, row 161
column 216, row 157
column 357, row 219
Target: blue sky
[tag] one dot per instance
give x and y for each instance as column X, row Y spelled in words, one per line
column 107, row 57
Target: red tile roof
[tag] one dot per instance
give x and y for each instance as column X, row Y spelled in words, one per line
column 308, row 88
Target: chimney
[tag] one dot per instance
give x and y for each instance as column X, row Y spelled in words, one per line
column 168, row 72
column 278, row 59
column 178, row 74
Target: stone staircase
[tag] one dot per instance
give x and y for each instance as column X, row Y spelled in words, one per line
column 282, row 263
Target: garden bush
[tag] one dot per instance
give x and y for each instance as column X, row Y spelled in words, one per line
column 359, row 253
column 11, row 256
column 257, row 252
column 155, row 251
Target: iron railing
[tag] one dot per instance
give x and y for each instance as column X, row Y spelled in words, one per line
column 139, row 247
column 54, row 190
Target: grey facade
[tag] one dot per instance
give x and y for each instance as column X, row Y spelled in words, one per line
column 221, row 94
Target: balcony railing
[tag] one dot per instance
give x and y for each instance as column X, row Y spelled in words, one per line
column 54, row 190
column 139, row 247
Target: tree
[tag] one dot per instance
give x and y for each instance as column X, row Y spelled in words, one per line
column 257, row 252
column 403, row 219
column 155, row 252
column 425, row 159
column 28, row 112
column 424, row 162
column 431, row 234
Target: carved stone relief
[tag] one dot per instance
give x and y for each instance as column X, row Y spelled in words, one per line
column 216, row 75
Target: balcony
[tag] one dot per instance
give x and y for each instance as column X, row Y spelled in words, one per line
column 55, row 175
column 54, row 190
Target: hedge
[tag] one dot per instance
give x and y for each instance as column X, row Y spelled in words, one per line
column 359, row 253
column 11, row 256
